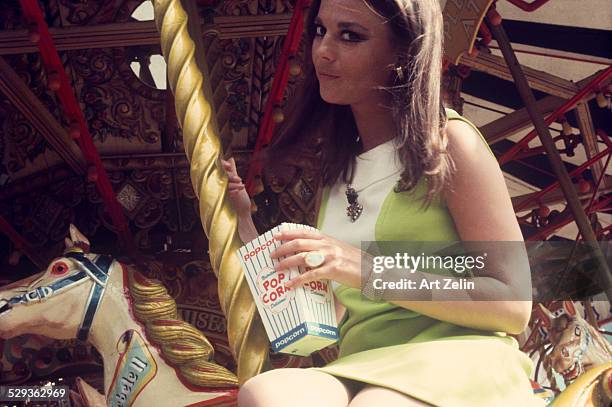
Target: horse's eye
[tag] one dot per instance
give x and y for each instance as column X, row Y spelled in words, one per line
column 577, row 331
column 59, row 268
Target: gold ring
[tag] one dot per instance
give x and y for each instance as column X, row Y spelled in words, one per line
column 314, row 259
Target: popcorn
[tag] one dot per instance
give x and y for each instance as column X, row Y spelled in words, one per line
column 298, row 321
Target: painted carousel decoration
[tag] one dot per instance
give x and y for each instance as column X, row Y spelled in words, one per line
column 149, row 354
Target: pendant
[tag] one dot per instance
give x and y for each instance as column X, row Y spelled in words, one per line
column 354, row 208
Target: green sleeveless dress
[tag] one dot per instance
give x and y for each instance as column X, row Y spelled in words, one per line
column 434, row 361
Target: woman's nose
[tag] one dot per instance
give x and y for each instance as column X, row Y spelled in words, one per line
column 323, row 49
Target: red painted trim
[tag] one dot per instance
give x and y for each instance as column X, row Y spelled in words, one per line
column 529, row 7
column 595, row 190
column 590, row 87
column 556, row 184
column 73, row 113
column 21, row 243
column 545, row 232
column 484, row 31
column 223, row 401
column 266, row 128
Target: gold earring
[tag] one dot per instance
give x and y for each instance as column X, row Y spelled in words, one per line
column 399, row 71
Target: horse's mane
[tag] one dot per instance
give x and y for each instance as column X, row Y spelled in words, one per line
column 598, row 338
column 182, row 345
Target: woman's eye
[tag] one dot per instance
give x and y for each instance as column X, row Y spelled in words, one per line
column 319, row 30
column 350, row 36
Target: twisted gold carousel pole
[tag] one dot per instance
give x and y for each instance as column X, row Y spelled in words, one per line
column 246, row 334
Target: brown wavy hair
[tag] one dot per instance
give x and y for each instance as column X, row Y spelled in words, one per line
column 416, row 105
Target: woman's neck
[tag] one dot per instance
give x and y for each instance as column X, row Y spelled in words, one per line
column 375, row 124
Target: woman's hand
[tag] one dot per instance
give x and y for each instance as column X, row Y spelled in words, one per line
column 342, row 261
column 237, row 192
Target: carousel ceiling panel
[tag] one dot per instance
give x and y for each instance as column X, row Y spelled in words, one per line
column 124, row 114
column 23, row 149
column 92, row 12
column 126, row 109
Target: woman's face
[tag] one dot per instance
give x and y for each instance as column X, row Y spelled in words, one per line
column 353, row 52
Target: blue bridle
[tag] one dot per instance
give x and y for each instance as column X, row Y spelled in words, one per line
column 98, row 272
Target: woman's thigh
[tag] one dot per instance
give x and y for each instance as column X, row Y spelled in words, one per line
column 380, row 396
column 293, row 387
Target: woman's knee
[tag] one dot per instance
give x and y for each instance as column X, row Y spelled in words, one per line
column 295, row 387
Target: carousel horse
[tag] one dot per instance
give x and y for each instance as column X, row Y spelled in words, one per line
column 581, row 355
column 151, row 358
column 577, row 345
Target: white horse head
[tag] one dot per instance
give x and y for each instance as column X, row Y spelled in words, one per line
column 136, row 315
column 35, row 304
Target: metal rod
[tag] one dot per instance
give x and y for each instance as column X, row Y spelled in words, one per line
column 555, row 185
column 508, row 155
column 566, row 220
column 553, row 155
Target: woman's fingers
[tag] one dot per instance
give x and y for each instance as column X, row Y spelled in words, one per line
column 296, row 246
column 235, row 189
column 232, row 163
column 290, row 234
column 291, row 261
column 229, row 166
column 321, row 273
column 235, row 182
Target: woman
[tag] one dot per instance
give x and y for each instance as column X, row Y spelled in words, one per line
column 373, row 94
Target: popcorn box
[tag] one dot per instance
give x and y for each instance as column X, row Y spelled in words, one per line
column 298, row 321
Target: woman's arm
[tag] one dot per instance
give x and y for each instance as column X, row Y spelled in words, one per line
column 481, row 208
column 240, row 201
column 246, row 228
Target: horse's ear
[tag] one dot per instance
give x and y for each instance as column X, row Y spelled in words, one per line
column 545, row 315
column 78, row 239
column 68, row 243
column 569, row 309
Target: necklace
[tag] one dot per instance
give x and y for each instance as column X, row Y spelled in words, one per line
column 354, row 208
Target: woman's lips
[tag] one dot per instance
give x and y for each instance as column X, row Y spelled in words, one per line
column 326, row 76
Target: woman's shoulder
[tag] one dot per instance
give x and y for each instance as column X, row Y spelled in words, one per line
column 468, row 149
column 452, row 114
column 464, row 134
